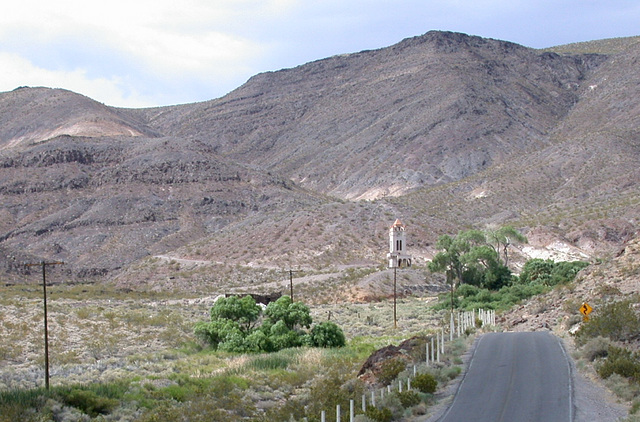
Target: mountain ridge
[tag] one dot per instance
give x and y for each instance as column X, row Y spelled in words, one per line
column 308, row 166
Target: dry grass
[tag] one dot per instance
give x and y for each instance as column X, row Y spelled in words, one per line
column 99, row 334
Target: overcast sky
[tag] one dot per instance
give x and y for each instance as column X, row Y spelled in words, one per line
column 139, row 53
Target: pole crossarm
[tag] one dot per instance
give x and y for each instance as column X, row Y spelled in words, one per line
column 44, row 265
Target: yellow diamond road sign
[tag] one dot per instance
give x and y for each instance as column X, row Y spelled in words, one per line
column 585, row 309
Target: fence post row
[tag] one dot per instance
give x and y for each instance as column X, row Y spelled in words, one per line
column 466, row 319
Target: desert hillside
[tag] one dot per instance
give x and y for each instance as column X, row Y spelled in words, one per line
column 307, row 167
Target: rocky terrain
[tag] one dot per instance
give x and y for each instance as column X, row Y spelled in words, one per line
column 307, row 167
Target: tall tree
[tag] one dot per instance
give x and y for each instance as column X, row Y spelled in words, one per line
column 503, row 237
column 473, row 257
column 460, row 253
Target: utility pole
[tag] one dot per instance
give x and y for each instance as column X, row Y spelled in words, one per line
column 450, row 280
column 395, row 319
column 44, row 264
column 397, row 257
column 291, row 282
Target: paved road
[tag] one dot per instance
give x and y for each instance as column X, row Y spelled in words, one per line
column 515, row 377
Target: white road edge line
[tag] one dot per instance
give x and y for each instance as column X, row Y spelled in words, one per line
column 569, row 370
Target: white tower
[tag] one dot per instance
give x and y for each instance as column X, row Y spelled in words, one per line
column 397, row 255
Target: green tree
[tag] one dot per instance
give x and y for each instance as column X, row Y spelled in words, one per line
column 234, row 327
column 467, row 257
column 293, row 314
column 497, row 276
column 537, row 271
column 282, row 337
column 550, row 273
column 217, row 332
column 500, row 239
column 244, row 311
column 327, row 334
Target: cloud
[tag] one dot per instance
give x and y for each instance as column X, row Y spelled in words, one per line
column 181, row 47
column 17, row 71
column 156, row 52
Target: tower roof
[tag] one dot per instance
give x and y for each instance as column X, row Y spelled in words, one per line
column 397, row 223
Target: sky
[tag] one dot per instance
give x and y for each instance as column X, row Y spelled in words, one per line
column 143, row 53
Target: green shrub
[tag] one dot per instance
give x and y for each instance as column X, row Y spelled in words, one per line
column 327, row 334
column 89, row 402
column 622, row 362
column 467, row 290
column 565, row 271
column 232, row 329
column 548, row 272
column 408, row 398
column 379, row 415
column 635, row 407
column 244, row 311
column 19, row 405
column 617, row 321
column 270, row 362
column 471, row 297
column 536, row 271
column 425, row 383
column 390, row 370
column 451, row 372
column 596, row 348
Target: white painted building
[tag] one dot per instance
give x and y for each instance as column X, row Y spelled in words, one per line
column 397, row 255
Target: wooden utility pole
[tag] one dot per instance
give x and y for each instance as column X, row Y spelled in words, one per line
column 395, row 319
column 291, row 282
column 397, row 257
column 44, row 264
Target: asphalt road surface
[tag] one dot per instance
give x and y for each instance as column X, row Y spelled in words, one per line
column 515, row 377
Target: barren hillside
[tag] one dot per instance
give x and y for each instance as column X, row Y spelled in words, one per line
column 306, row 167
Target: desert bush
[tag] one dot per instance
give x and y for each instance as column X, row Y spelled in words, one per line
column 425, row 383
column 390, row 370
column 635, row 407
column 548, row 272
column 379, row 415
column 467, row 290
column 622, row 362
column 89, row 402
column 622, row 387
column 617, row 321
column 451, row 372
column 597, row 347
column 331, row 390
column 23, row 405
column 471, row 297
column 327, row 334
column 408, row 398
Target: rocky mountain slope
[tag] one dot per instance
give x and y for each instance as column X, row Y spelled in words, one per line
column 308, row 166
column 428, row 110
